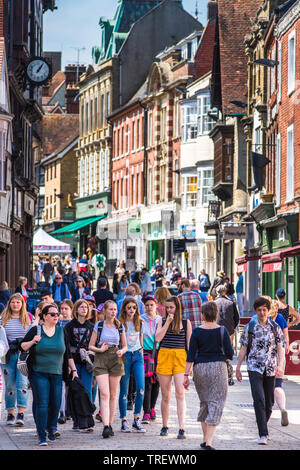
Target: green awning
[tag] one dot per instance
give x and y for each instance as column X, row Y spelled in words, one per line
column 78, row 224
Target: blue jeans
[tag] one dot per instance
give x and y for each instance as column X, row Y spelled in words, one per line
column 135, row 363
column 47, row 391
column 16, row 385
column 85, row 377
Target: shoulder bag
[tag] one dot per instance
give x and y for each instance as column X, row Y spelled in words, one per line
column 22, row 363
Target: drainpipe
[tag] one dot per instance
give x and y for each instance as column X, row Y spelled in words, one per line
column 11, row 31
column 145, row 165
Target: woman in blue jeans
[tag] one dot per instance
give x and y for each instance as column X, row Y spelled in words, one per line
column 49, row 362
column 134, row 362
column 15, row 320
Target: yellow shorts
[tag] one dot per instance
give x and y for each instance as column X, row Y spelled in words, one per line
column 171, row 361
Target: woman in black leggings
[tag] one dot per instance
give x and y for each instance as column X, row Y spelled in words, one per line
column 152, row 320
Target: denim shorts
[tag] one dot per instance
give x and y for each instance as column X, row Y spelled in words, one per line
column 108, row 363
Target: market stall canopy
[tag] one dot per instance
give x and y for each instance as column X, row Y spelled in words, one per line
column 44, row 243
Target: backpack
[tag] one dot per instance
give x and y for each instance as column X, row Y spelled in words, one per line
column 100, row 328
column 204, row 281
column 251, row 333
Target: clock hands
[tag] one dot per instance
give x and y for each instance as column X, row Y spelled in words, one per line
column 40, row 67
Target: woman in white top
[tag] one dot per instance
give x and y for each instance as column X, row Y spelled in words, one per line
column 108, row 341
column 15, row 321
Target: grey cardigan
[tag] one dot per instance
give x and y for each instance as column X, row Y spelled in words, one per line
column 227, row 314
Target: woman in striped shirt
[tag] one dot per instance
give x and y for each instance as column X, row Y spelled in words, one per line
column 15, row 321
column 174, row 336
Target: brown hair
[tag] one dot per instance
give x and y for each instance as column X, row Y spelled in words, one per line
column 76, row 305
column 185, row 282
column 137, row 321
column 7, row 312
column 161, row 294
column 177, row 316
column 210, row 311
column 67, row 302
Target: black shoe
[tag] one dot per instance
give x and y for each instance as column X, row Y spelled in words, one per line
column 20, row 419
column 10, row 419
column 202, row 445
column 129, row 405
column 208, row 448
column 164, row 431
column 111, row 431
column 181, row 434
column 62, row 419
column 106, row 432
column 98, row 417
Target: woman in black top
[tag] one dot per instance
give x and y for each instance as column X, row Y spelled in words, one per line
column 174, row 336
column 210, row 348
column 79, row 331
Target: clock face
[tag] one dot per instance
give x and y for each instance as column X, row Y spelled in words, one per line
column 38, row 70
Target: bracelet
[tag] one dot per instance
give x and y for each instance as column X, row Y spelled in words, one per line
column 74, row 370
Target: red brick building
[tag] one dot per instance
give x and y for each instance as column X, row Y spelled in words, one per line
column 128, row 161
column 281, row 255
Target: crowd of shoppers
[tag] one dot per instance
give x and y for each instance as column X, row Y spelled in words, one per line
column 133, row 341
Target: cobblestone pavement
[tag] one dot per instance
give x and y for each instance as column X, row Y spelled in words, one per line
column 237, row 430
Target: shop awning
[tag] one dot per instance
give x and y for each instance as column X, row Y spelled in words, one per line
column 271, row 267
column 78, row 224
column 242, row 262
column 273, row 261
column 280, row 255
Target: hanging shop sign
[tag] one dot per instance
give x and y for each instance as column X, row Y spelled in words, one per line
column 235, row 233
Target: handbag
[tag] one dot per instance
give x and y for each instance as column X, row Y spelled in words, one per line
column 22, row 363
column 149, row 362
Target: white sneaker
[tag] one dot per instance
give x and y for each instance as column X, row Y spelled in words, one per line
column 263, row 440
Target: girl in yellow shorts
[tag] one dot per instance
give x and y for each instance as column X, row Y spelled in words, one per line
column 174, row 336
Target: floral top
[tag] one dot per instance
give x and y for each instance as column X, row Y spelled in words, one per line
column 263, row 353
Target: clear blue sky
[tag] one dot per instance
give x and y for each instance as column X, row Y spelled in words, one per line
column 74, row 25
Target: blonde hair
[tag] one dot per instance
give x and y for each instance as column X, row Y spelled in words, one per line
column 7, row 312
column 3, row 285
column 117, row 323
column 161, row 294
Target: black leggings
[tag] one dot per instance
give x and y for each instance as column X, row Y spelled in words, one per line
column 151, row 395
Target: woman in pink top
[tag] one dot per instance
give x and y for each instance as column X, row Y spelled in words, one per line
column 161, row 294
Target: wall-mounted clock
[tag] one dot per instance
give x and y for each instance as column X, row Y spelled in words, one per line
column 38, row 71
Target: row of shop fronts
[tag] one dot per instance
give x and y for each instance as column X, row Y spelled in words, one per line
column 276, row 264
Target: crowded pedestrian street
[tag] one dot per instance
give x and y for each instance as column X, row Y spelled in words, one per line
column 149, row 227
column 236, row 431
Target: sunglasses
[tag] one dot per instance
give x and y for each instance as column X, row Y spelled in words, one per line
column 131, row 307
column 58, row 278
column 56, row 314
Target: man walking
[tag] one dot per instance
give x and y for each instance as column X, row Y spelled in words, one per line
column 228, row 315
column 190, row 303
column 59, row 289
column 261, row 345
column 239, row 289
